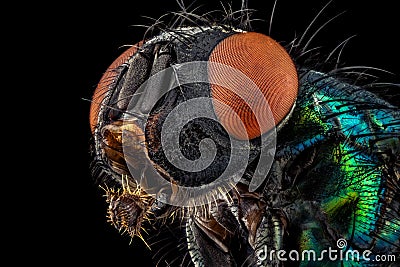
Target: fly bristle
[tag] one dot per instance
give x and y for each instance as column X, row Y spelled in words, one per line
column 128, row 208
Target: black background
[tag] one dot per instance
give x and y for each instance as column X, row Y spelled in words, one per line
column 80, row 40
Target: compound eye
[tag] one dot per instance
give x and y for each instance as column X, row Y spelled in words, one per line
column 106, row 83
column 269, row 67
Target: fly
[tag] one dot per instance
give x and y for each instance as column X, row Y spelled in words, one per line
column 216, row 136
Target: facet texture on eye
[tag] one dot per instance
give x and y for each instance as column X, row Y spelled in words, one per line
column 269, row 67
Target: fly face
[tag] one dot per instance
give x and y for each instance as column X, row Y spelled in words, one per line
column 215, row 131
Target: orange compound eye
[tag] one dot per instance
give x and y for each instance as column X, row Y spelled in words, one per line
column 267, row 64
column 106, row 82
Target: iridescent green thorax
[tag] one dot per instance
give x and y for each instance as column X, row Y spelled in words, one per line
column 346, row 142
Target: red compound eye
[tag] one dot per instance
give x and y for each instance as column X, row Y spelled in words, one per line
column 269, row 66
column 105, row 84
